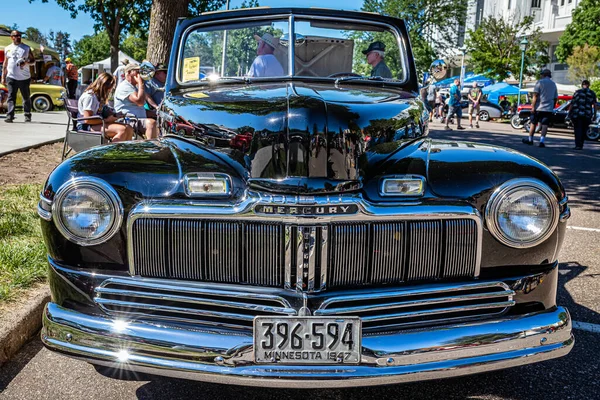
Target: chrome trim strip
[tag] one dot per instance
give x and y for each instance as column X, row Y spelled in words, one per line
column 288, row 257
column 299, row 258
column 565, row 215
column 191, row 300
column 205, row 355
column 564, row 201
column 291, row 44
column 498, row 195
column 45, row 200
column 424, row 302
column 45, row 215
column 97, row 184
column 312, row 256
column 503, row 304
column 324, row 256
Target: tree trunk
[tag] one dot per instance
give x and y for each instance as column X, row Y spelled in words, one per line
column 163, row 20
column 114, row 55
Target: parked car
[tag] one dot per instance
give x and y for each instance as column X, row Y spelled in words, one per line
column 516, row 121
column 558, row 120
column 44, row 97
column 487, row 111
column 315, row 258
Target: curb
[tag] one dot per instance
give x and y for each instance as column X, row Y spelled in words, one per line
column 18, row 326
column 33, row 146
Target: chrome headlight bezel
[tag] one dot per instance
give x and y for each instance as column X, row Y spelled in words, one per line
column 508, row 188
column 104, row 189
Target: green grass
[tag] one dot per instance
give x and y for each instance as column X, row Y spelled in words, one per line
column 22, row 250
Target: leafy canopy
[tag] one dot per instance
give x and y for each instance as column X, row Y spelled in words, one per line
column 583, row 29
column 432, row 24
column 583, row 63
column 494, row 47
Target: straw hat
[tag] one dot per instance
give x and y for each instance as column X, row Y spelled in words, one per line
column 268, row 39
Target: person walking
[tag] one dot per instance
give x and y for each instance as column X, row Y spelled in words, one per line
column 545, row 95
column 474, row 102
column 454, row 107
column 582, row 112
column 72, row 77
column 431, row 100
column 17, row 76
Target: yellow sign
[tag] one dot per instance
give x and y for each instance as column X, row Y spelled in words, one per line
column 197, row 95
column 191, row 69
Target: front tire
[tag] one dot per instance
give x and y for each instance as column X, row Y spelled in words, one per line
column 484, row 116
column 515, row 122
column 41, row 103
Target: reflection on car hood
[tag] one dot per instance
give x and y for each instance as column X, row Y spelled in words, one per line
column 299, row 137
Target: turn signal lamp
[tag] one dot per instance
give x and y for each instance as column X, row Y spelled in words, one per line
column 207, row 185
column 405, row 186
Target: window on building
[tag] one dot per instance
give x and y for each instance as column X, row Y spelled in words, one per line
column 536, row 3
column 509, row 4
column 562, row 2
column 554, row 59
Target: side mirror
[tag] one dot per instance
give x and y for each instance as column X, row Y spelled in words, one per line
column 285, row 39
column 438, row 69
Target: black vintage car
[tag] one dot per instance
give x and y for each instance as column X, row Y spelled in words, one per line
column 341, row 247
column 558, row 120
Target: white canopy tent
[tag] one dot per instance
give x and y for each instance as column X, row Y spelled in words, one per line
column 89, row 71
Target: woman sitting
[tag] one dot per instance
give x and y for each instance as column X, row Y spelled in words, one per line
column 91, row 103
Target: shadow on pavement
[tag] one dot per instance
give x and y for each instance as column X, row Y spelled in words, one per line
column 12, row 368
column 577, row 169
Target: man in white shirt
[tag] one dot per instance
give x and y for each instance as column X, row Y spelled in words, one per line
column 265, row 64
column 16, row 75
column 120, row 71
column 130, row 98
column 54, row 75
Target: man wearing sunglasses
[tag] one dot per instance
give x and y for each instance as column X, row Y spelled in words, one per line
column 17, row 76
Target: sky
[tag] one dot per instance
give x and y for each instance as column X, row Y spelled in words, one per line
column 50, row 16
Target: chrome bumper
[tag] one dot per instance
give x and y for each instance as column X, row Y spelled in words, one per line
column 209, row 356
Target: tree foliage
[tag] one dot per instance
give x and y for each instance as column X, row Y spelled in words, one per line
column 91, row 48
column 494, row 47
column 583, row 29
column 583, row 63
column 433, row 25
column 35, row 35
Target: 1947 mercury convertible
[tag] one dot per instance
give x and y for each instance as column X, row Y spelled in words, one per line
column 302, row 230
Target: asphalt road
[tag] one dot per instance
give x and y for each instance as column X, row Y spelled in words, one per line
column 37, row 373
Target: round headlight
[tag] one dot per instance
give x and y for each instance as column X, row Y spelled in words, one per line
column 522, row 213
column 87, row 211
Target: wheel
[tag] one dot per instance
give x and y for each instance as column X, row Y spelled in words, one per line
column 484, row 115
column 515, row 122
column 41, row 103
column 527, row 126
column 181, row 132
column 593, row 133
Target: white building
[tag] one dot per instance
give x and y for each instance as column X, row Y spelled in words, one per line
column 551, row 16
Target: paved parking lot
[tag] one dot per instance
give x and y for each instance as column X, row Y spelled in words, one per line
column 44, row 128
column 38, row 373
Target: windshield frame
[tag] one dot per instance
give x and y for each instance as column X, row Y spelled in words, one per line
column 290, row 16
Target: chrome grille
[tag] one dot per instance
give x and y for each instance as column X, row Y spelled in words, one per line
column 181, row 302
column 308, row 256
column 408, row 308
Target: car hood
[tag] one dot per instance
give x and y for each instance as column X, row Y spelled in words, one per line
column 304, row 137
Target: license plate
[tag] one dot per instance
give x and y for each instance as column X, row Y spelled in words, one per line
column 307, row 340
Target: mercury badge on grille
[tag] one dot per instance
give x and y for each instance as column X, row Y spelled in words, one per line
column 306, row 209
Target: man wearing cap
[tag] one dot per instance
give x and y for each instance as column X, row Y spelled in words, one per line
column 155, row 89
column 72, row 78
column 265, row 64
column 130, row 98
column 17, row 76
column 375, row 58
column 545, row 95
column 54, row 75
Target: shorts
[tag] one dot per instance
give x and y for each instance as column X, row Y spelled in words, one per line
column 542, row 117
column 431, row 104
column 471, row 108
column 455, row 110
column 88, row 127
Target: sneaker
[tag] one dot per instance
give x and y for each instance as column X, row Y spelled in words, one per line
column 471, row 126
column 577, row 148
column 477, row 125
column 447, row 128
column 527, row 141
column 460, row 127
column 9, row 120
column 541, row 144
column 28, row 119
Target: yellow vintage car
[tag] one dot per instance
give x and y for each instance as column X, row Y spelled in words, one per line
column 44, row 97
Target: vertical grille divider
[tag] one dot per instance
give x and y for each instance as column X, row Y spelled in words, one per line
column 369, row 260
column 442, row 266
column 293, row 261
column 243, row 262
column 167, row 241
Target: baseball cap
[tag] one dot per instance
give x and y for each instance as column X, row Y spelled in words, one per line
column 68, row 59
column 546, row 72
column 374, row 46
column 131, row 67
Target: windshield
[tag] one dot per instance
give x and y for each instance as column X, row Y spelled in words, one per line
column 321, row 48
